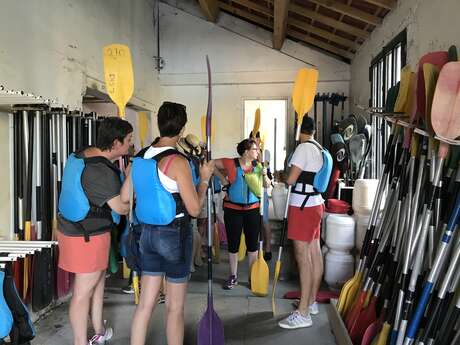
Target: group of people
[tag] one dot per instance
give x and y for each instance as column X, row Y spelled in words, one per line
column 169, row 190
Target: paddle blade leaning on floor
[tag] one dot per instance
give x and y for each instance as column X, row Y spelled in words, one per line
column 303, row 96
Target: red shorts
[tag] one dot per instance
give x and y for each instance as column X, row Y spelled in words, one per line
column 305, row 225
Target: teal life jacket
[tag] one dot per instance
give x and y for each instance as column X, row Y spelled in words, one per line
column 318, row 180
column 238, row 191
column 154, row 204
column 74, row 206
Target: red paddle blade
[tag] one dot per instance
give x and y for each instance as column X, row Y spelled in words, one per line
column 366, row 317
column 445, row 112
column 355, row 310
column 435, row 58
column 371, row 333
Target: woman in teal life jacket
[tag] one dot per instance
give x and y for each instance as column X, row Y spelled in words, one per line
column 241, row 204
column 166, row 198
column 90, row 191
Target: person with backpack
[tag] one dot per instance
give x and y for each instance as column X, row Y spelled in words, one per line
column 241, row 204
column 310, row 170
column 166, row 198
column 89, row 207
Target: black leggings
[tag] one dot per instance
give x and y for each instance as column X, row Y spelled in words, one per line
column 237, row 220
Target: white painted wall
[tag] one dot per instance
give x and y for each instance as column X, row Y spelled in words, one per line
column 53, row 48
column 243, row 65
column 431, row 25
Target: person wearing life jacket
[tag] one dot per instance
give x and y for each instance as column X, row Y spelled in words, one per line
column 166, row 198
column 89, row 206
column 310, row 170
column 241, row 204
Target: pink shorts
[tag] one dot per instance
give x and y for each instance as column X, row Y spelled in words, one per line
column 304, row 225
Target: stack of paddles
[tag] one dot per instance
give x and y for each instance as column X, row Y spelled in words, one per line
column 409, row 270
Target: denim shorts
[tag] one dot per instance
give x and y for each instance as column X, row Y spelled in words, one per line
column 164, row 252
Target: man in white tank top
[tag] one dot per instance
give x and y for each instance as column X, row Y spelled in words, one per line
column 304, row 219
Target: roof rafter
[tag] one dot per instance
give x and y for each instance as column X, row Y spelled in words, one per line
column 349, row 11
column 280, row 19
column 210, row 9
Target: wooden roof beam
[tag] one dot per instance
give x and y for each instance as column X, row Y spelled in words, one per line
column 329, row 21
column 323, row 33
column 210, row 9
column 349, row 11
column 320, row 44
column 300, row 24
column 387, row 4
column 280, row 23
column 302, row 37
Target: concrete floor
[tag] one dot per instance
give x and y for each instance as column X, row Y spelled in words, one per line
column 247, row 319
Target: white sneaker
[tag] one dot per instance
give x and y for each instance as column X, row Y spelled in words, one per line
column 314, row 309
column 296, row 320
column 102, row 338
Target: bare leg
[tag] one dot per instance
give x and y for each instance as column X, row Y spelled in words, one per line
column 304, row 264
column 84, row 287
column 175, row 301
column 316, row 258
column 267, row 237
column 97, row 305
column 233, row 260
column 252, row 258
column 147, row 301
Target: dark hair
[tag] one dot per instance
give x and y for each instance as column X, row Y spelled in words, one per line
column 111, row 129
column 245, row 145
column 308, row 125
column 172, row 117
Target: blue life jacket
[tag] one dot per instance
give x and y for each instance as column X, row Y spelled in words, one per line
column 74, row 205
column 319, row 180
column 154, row 204
column 238, row 192
column 194, row 163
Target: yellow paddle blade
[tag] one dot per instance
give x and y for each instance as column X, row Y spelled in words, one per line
column 260, row 275
column 384, row 333
column 256, row 126
column 143, row 126
column 404, row 89
column 126, row 270
column 242, row 248
column 136, row 287
column 118, row 75
column 368, row 298
column 303, row 93
column 203, row 129
column 344, row 294
column 275, row 280
column 352, row 292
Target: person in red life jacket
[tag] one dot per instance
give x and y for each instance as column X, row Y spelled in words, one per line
column 241, row 204
column 89, row 197
column 306, row 207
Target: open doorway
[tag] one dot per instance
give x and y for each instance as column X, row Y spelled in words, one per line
column 272, row 127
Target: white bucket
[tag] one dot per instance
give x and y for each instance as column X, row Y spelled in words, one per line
column 338, row 269
column 362, row 221
column 363, row 195
column 279, row 197
column 340, row 232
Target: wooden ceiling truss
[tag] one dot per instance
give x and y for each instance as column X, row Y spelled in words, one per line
column 338, row 27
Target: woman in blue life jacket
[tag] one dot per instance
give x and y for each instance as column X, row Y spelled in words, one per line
column 241, row 205
column 165, row 199
column 90, row 191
